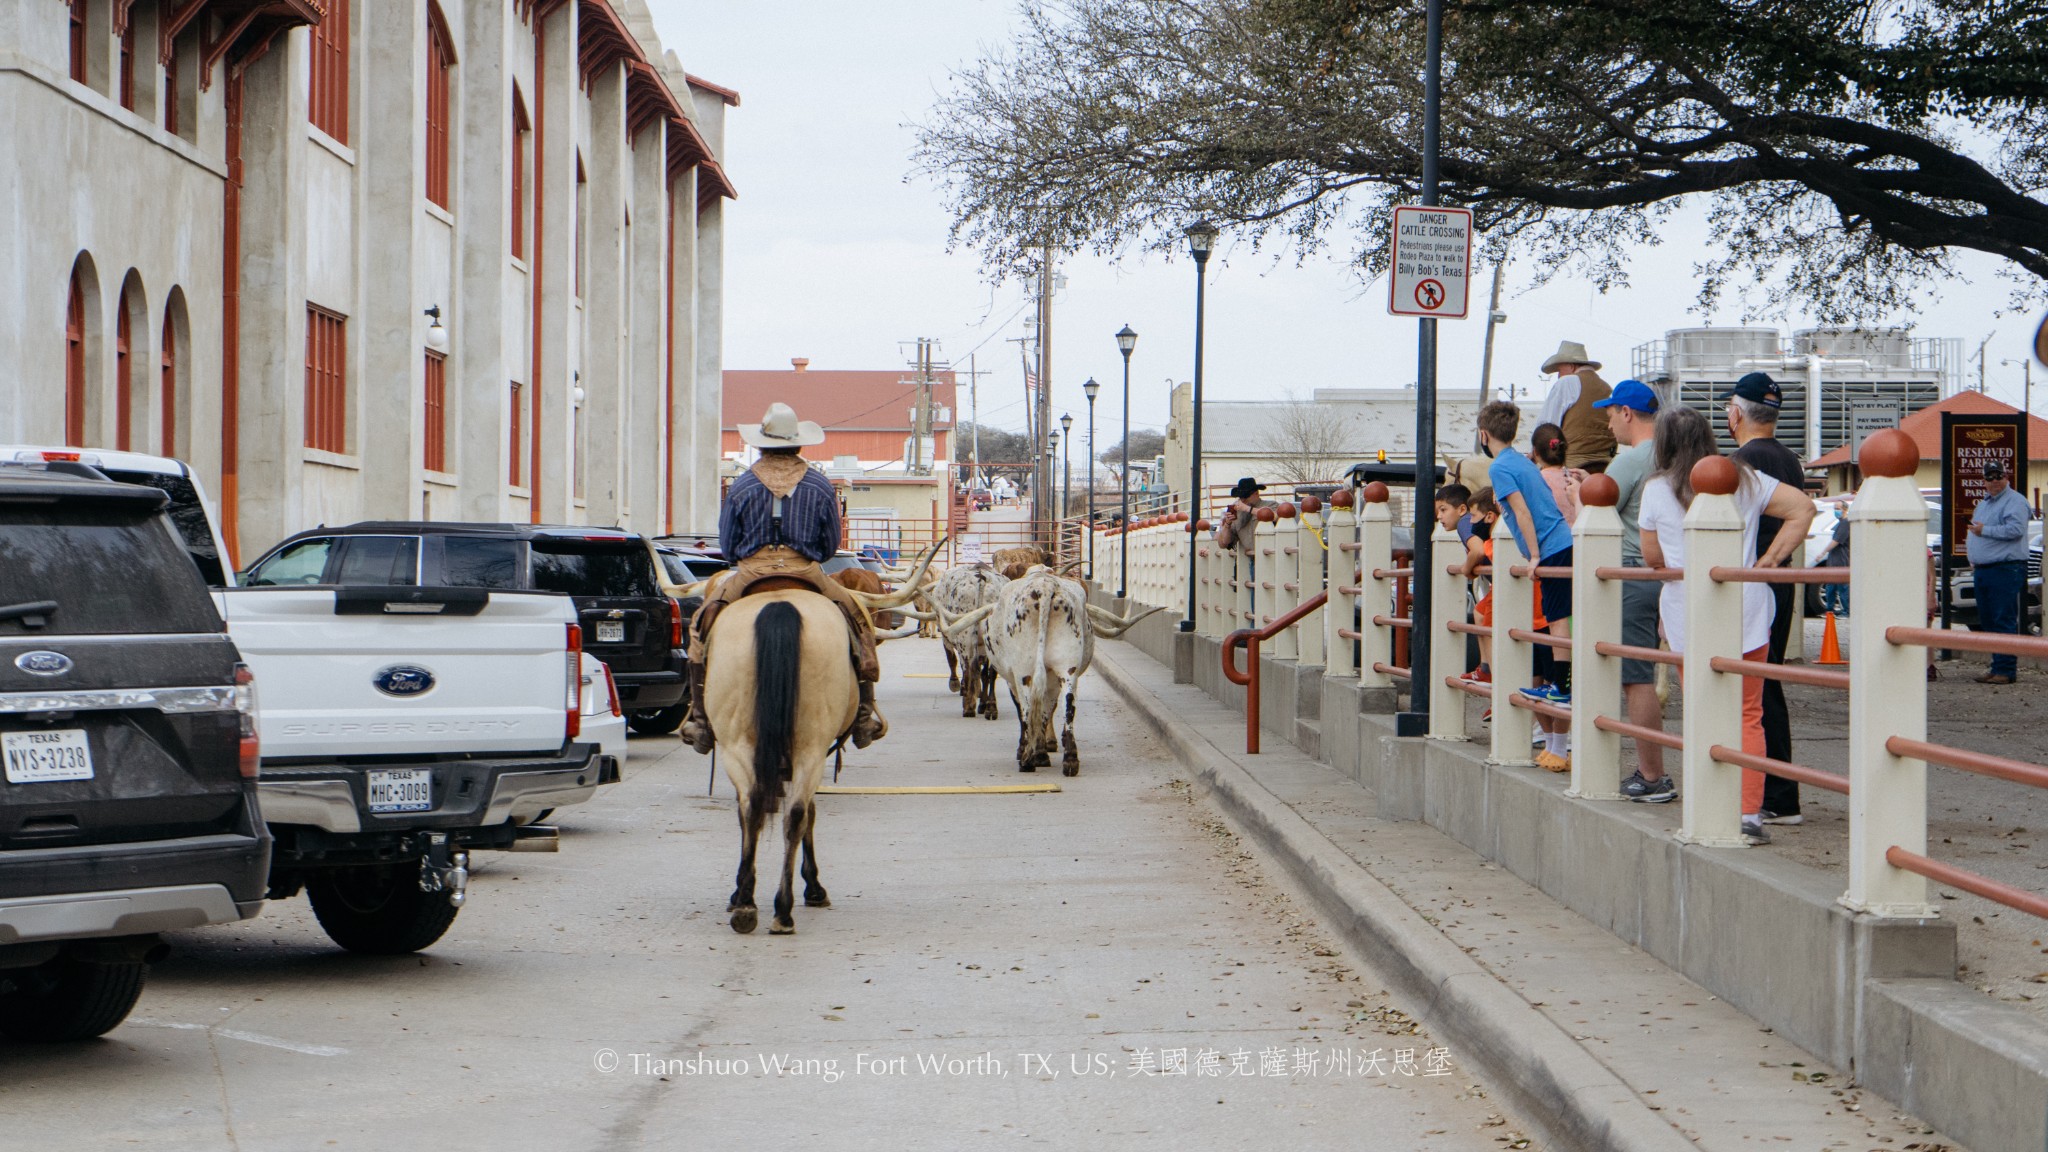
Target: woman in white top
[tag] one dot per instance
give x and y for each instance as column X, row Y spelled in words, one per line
column 1683, row 439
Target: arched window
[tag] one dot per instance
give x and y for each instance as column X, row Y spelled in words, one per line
column 123, row 410
column 74, row 362
column 167, row 385
column 131, row 365
column 440, row 57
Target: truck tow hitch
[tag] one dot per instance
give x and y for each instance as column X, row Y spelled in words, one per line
column 442, row 870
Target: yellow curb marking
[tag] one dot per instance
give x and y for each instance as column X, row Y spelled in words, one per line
column 928, row 790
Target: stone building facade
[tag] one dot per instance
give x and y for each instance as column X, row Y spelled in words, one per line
column 368, row 258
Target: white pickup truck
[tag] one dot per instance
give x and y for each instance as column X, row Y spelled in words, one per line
column 404, row 727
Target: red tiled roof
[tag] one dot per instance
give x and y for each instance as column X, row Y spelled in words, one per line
column 838, row 399
column 1924, row 427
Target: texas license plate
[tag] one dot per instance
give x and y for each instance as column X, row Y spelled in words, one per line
column 38, row 757
column 611, row 631
column 401, row 789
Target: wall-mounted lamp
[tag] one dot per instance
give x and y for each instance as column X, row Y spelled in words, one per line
column 576, row 392
column 437, row 336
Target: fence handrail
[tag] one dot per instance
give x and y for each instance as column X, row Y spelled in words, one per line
column 1982, row 763
column 1626, row 572
column 1996, row 643
column 1785, row 768
column 1250, row 639
column 1727, row 575
column 1637, row 652
column 2017, row 899
column 1785, row 673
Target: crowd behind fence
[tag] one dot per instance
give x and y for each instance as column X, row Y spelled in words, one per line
column 1328, row 575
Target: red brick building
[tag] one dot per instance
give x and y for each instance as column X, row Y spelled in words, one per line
column 866, row 414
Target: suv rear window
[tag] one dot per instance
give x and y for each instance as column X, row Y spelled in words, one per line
column 594, row 568
column 479, row 562
column 188, row 516
column 108, row 569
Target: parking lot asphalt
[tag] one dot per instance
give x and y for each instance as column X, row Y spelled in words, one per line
column 1105, row 965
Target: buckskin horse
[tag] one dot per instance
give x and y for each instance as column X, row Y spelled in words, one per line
column 779, row 689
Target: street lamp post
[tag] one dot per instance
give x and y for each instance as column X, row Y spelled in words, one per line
column 1067, row 466
column 1091, row 388
column 1201, row 237
column 1125, row 341
column 1052, row 459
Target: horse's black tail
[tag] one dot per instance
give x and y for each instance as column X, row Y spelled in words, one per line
column 778, row 652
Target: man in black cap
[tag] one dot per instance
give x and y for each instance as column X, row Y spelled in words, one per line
column 1236, row 529
column 1752, row 412
column 1998, row 561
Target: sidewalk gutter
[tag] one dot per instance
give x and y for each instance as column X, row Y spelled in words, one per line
column 1552, row 1081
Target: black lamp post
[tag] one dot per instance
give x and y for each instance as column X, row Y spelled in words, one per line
column 1201, row 238
column 1091, row 388
column 1125, row 341
column 1066, row 465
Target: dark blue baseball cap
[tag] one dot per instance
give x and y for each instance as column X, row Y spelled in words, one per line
column 1633, row 395
column 1758, row 388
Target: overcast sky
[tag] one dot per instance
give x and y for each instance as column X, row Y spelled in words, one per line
column 836, row 251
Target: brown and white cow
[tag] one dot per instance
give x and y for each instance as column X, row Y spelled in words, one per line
column 969, row 671
column 1040, row 634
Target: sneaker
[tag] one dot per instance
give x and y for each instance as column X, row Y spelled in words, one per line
column 1770, row 817
column 1548, row 694
column 1479, row 675
column 1488, row 718
column 1658, row 791
column 1754, row 833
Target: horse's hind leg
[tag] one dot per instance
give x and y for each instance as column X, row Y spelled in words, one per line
column 814, row 892
column 744, row 916
column 792, row 839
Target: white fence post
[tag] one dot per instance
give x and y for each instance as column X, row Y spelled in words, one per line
column 1376, row 593
column 1713, row 627
column 1286, row 570
column 1241, row 601
column 1514, row 606
column 1308, row 571
column 1887, row 686
column 1342, row 526
column 1265, row 566
column 1447, row 597
column 1596, row 619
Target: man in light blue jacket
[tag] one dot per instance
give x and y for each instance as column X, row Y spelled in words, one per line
column 1998, row 559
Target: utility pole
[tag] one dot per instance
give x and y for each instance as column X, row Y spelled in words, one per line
column 921, row 414
column 974, row 417
column 1042, row 402
column 1494, row 317
column 1980, row 361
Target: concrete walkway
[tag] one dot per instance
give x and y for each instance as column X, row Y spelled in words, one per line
column 1562, row 1003
column 1109, row 930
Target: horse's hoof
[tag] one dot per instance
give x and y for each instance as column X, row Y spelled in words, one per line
column 1027, row 767
column 819, row 901
column 1071, row 768
column 743, row 920
column 782, row 927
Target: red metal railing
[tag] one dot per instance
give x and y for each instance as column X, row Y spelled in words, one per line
column 1250, row 639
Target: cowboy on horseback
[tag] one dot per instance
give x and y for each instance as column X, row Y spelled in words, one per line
column 780, row 521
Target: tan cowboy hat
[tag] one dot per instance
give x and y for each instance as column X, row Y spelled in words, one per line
column 1569, row 352
column 779, row 428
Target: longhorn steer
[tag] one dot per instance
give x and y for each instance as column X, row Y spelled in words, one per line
column 1041, row 634
column 969, row 671
column 1015, row 562
column 861, row 580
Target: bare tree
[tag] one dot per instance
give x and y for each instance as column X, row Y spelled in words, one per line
column 1307, row 442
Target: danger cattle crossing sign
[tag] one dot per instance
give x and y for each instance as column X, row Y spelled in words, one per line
column 1432, row 262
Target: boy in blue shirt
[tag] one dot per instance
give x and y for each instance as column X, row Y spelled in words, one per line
column 1540, row 530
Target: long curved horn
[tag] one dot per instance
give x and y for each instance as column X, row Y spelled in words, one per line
column 903, row 595
column 914, row 614
column 1110, row 626
column 958, row 626
column 1069, row 567
column 909, row 629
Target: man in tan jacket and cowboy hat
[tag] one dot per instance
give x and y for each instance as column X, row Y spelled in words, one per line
column 781, row 520
column 1588, row 442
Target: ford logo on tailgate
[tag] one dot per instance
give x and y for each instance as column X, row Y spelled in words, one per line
column 43, row 663
column 403, row 680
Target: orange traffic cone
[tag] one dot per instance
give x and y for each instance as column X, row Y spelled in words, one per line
column 1830, row 645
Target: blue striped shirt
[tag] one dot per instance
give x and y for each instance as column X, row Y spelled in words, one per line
column 810, row 518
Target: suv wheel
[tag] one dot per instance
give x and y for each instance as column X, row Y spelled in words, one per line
column 379, row 910
column 68, row 999
column 659, row 722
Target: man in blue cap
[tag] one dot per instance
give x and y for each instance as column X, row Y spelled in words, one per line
column 1631, row 413
column 1752, row 412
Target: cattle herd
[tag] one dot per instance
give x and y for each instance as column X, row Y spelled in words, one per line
column 1019, row 620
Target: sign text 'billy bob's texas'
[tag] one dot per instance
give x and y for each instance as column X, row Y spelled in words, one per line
column 1432, row 262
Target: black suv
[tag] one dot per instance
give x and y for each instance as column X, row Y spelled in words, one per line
column 128, row 740
column 610, row 573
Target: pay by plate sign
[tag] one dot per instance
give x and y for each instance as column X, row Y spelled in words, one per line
column 1432, row 262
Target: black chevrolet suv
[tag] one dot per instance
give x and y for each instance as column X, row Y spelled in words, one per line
column 610, row 573
column 128, row 740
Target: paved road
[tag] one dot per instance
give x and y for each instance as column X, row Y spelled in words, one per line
column 595, row 999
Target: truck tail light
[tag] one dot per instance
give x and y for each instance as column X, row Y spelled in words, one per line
column 611, row 690
column 675, row 624
column 245, row 711
column 573, row 681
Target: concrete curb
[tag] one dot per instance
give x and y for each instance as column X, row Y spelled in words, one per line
column 1553, row 1082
